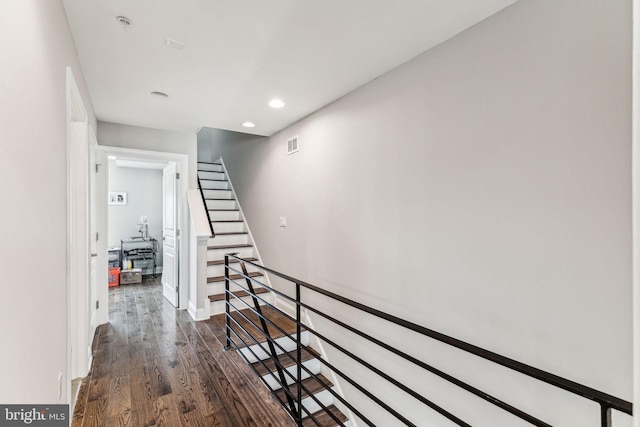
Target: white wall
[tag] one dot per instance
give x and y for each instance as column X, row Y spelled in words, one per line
column 117, row 135
column 144, row 197
column 482, row 189
column 36, row 48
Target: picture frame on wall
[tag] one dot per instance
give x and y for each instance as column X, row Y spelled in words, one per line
column 117, row 198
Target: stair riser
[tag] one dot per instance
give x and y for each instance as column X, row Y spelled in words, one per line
column 323, row 396
column 222, row 204
column 224, row 215
column 216, row 254
column 287, row 343
column 218, row 270
column 204, row 167
column 214, row 185
column 313, row 365
column 228, row 239
column 218, row 194
column 228, row 227
column 211, row 175
column 217, row 307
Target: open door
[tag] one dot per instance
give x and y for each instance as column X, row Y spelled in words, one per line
column 170, row 234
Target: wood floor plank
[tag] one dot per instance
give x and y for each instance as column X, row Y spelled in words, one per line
column 154, row 366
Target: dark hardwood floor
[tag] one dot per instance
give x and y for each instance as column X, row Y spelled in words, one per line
column 153, row 365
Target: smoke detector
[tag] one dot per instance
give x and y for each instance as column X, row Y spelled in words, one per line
column 159, row 94
column 124, row 21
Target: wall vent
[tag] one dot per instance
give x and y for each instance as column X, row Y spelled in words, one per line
column 292, row 145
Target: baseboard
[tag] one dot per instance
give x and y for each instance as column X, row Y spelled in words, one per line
column 197, row 314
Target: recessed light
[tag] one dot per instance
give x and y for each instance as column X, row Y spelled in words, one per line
column 174, row 43
column 276, row 103
column 124, row 21
column 249, row 125
column 159, row 94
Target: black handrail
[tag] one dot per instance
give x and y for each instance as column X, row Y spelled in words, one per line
column 204, row 202
column 606, row 401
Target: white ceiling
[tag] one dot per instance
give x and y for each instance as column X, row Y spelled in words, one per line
column 239, row 54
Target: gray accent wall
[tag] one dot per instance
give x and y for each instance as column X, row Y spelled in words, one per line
column 144, row 197
column 482, row 189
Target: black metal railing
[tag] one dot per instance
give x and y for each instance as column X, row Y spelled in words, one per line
column 238, row 337
column 206, row 208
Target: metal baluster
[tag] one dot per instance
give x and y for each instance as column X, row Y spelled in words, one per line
column 605, row 415
column 299, row 354
column 272, row 348
column 226, row 299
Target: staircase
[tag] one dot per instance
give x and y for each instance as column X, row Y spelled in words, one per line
column 231, row 235
column 258, row 355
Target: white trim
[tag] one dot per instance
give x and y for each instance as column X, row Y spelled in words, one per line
column 198, row 313
column 182, row 166
column 635, row 158
column 77, row 256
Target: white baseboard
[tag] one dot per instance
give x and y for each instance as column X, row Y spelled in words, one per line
column 197, row 313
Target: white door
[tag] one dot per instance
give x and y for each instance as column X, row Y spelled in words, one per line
column 170, row 234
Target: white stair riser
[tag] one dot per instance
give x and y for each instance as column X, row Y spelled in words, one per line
column 214, row 185
column 218, row 270
column 216, row 254
column 217, row 307
column 211, row 175
column 311, row 406
column 209, row 168
column 313, row 365
column 218, row 194
column 224, row 215
column 228, row 227
column 228, row 239
column 222, row 204
column 215, row 288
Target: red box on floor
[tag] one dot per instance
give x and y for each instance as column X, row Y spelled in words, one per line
column 114, row 276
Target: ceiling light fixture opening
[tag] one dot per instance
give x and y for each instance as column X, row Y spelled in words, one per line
column 174, row 44
column 276, row 103
column 159, row 94
column 249, row 124
column 124, row 21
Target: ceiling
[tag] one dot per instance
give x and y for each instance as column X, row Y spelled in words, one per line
column 238, row 55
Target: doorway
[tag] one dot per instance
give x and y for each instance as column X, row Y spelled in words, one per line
column 141, row 216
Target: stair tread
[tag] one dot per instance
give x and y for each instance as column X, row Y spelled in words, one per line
column 277, row 317
column 323, row 418
column 211, row 163
column 269, row 365
column 209, row 179
column 219, row 200
column 231, row 261
column 232, row 276
column 312, row 384
column 223, row 210
column 221, row 297
column 231, row 233
column 228, row 220
column 242, row 245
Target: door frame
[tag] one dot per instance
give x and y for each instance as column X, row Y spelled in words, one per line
column 182, row 165
column 78, row 245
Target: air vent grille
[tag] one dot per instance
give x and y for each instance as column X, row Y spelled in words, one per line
column 292, row 145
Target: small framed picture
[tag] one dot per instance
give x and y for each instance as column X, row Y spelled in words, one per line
column 117, row 198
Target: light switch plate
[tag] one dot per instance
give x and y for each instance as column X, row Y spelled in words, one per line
column 283, row 221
